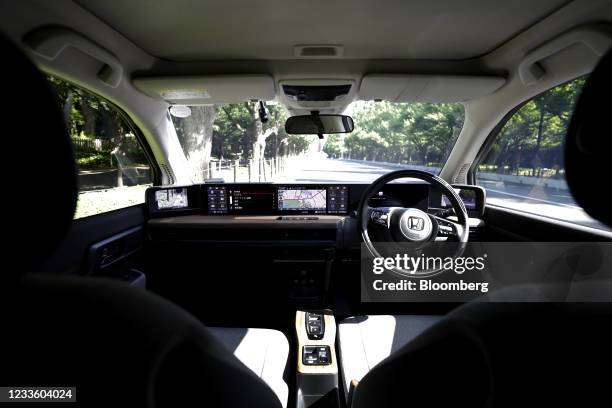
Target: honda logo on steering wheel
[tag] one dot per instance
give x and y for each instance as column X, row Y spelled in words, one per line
column 416, row 223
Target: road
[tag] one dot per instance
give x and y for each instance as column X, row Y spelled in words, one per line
column 550, row 202
column 313, row 170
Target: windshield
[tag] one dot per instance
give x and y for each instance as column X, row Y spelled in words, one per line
column 230, row 142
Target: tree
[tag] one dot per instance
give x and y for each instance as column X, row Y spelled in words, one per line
column 402, row 132
column 333, row 146
column 196, row 138
column 551, row 105
column 258, row 134
column 533, row 137
column 235, row 131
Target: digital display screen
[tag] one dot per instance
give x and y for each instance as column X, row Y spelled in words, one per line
column 337, row 200
column 302, row 200
column 217, row 200
column 268, row 199
column 397, row 195
column 467, row 196
column 251, row 199
column 171, row 198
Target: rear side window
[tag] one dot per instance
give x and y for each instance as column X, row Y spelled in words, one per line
column 523, row 168
column 113, row 169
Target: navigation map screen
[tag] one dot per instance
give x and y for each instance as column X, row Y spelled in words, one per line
column 171, row 198
column 302, row 200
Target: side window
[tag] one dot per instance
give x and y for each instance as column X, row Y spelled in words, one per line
column 113, row 169
column 524, row 169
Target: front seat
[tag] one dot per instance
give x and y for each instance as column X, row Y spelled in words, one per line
column 118, row 345
column 365, row 341
column 500, row 354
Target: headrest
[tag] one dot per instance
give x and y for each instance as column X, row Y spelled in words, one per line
column 38, row 165
column 589, row 142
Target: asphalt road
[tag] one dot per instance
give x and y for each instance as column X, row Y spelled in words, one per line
column 313, row 170
column 549, row 202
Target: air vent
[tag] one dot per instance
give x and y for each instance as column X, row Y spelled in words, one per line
column 461, row 176
column 476, row 234
column 318, row 51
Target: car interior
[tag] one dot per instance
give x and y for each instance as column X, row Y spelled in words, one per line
column 239, row 283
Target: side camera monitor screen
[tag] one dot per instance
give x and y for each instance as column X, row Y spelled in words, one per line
column 302, row 200
column 467, row 196
column 171, row 198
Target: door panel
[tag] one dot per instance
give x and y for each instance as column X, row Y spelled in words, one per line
column 121, row 232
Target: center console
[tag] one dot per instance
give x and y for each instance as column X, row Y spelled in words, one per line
column 317, row 365
column 291, row 231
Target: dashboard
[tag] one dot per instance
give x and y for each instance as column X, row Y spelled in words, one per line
column 290, row 200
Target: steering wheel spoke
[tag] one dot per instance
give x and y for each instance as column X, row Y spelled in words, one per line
column 380, row 216
column 448, row 228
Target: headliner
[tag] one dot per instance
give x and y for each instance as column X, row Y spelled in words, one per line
column 192, row 30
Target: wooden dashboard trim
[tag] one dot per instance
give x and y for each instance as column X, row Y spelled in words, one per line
column 245, row 221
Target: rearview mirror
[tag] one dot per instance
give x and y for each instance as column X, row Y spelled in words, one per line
column 319, row 124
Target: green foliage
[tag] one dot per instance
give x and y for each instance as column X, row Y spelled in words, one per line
column 333, row 146
column 97, row 129
column 91, row 161
column 400, row 133
column 231, row 135
column 531, row 142
column 131, row 148
column 86, row 114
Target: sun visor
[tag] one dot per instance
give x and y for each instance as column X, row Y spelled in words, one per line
column 427, row 88
column 208, row 90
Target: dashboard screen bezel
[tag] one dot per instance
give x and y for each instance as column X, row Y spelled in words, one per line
column 194, row 204
column 274, row 189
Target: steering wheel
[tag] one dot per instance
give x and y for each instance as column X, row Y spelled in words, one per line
column 410, row 225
